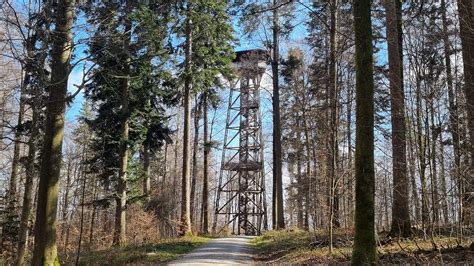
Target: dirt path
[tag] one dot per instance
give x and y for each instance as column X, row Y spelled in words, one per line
column 220, row 251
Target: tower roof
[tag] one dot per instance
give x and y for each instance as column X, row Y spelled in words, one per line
column 259, row 54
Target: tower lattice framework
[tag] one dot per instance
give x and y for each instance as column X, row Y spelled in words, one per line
column 241, row 191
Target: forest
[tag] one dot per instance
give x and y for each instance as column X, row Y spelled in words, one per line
column 270, row 131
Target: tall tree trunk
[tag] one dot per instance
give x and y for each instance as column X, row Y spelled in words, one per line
column 165, row 167
column 93, row 215
column 205, row 181
column 422, row 143
column 278, row 215
column 9, row 224
column 466, row 19
column 364, row 252
column 332, row 143
column 120, row 231
column 185, row 227
column 300, row 186
column 12, row 188
column 350, row 186
column 197, row 116
column 444, row 191
column 83, row 195
column 452, row 107
column 311, row 175
column 175, row 151
column 411, row 169
column 434, row 168
column 64, row 210
column 45, row 250
column 27, row 194
column 400, row 209
column 8, row 233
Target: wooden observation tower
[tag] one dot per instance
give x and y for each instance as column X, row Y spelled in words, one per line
column 240, row 202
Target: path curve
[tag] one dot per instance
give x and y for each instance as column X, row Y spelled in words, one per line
column 220, row 251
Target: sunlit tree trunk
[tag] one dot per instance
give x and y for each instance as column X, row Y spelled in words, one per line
column 185, row 226
column 45, row 250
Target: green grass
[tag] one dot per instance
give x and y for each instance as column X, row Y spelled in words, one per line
column 294, row 246
column 157, row 253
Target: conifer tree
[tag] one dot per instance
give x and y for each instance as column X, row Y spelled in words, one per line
column 207, row 34
column 130, row 53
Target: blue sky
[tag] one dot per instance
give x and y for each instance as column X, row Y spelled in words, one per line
column 82, row 32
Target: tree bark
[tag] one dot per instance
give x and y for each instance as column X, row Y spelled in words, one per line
column 400, row 209
column 197, row 116
column 27, row 194
column 332, row 143
column 45, row 250
column 364, row 252
column 64, row 210
column 422, row 143
column 350, row 186
column 444, row 191
column 434, row 167
column 185, row 227
column 278, row 215
column 205, row 186
column 466, row 21
column 9, row 224
column 411, row 170
column 83, row 195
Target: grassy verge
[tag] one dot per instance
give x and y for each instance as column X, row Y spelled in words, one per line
column 295, row 246
column 301, row 247
column 156, row 253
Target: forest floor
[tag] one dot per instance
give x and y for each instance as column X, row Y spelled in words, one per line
column 150, row 253
column 301, row 247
